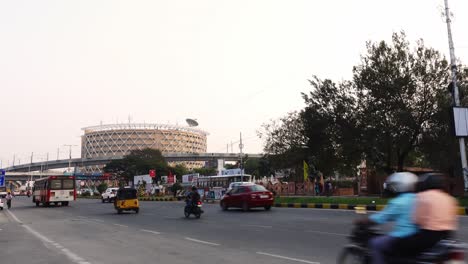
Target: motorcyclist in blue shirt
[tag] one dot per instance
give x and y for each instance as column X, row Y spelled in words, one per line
column 399, row 210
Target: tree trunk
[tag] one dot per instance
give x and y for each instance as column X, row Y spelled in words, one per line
column 401, row 162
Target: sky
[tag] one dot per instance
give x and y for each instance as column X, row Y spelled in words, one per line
column 232, row 65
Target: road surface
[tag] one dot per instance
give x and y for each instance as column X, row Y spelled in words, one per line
column 89, row 231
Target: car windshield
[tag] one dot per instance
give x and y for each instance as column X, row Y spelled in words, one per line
column 257, row 188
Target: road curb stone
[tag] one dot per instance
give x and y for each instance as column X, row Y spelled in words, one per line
column 369, row 207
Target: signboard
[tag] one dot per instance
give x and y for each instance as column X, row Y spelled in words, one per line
column 460, row 115
column 152, row 173
column 170, row 179
column 231, row 172
column 188, row 178
column 2, row 178
column 137, row 180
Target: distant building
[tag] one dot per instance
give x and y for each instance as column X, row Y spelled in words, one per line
column 120, row 139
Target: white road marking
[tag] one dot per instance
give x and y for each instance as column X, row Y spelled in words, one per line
column 262, row 226
column 325, row 233
column 72, row 256
column 97, row 220
column 120, row 225
column 150, row 231
column 288, row 258
column 13, row 216
column 201, row 241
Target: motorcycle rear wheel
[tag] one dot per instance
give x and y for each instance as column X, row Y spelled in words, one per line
column 352, row 256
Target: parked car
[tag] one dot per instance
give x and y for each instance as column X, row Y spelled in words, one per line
column 89, row 192
column 246, row 196
column 109, row 195
column 1, row 204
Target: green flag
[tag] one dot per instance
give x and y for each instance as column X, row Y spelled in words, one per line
column 306, row 171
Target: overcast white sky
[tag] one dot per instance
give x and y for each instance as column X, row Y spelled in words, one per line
column 232, row 65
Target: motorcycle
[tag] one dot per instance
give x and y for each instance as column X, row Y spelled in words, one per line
column 193, row 208
column 445, row 251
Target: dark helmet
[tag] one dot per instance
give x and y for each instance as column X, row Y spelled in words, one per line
column 194, row 188
column 429, row 181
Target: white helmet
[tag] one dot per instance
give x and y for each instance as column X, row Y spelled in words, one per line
column 401, row 182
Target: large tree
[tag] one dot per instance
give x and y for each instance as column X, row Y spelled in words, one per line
column 330, row 126
column 395, row 112
column 138, row 162
column 401, row 93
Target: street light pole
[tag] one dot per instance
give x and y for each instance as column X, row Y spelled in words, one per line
column 453, row 66
column 241, row 165
column 30, row 175
column 69, row 157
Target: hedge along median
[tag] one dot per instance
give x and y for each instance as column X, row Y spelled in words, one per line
column 346, row 203
column 156, row 199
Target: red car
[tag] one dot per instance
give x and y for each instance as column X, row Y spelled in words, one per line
column 247, row 196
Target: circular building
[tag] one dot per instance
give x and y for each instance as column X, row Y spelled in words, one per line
column 117, row 140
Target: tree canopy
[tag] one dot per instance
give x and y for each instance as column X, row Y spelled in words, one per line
column 394, row 112
column 138, row 162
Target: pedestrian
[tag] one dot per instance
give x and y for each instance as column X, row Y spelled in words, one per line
column 8, row 199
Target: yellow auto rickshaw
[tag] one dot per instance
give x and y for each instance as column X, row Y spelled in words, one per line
column 126, row 200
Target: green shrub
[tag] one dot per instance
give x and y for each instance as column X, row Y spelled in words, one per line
column 102, row 187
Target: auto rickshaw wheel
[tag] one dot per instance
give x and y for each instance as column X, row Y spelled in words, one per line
column 65, row 203
column 136, row 210
column 37, row 203
column 119, row 211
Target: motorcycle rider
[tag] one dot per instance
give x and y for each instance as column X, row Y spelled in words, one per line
column 8, row 198
column 399, row 210
column 435, row 214
column 193, row 197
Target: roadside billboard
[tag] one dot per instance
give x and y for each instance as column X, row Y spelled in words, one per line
column 2, row 178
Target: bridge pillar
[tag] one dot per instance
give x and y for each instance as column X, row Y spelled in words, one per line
column 220, row 166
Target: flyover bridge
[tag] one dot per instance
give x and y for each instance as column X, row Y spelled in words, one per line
column 84, row 162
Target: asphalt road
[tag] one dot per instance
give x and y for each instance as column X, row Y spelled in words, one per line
column 89, row 231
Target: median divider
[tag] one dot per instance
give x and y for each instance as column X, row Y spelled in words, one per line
column 158, row 199
column 368, row 207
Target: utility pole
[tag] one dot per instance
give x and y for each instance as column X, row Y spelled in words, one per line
column 241, row 165
column 453, row 66
column 58, row 152
column 69, row 157
column 30, row 175
column 14, row 156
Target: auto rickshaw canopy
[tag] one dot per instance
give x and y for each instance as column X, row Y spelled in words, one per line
column 126, row 193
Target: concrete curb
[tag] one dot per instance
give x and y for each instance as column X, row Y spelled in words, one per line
column 378, row 207
column 157, row 199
